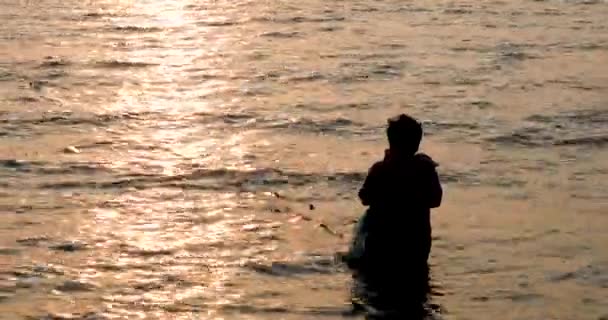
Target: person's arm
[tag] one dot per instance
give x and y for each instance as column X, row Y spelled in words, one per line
column 369, row 188
column 431, row 190
column 435, row 190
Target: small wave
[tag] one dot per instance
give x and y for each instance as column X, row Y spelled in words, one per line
column 257, row 180
column 123, row 64
column 311, row 76
column 101, row 14
column 287, row 269
column 94, row 15
column 75, row 285
column 458, row 11
column 575, row 128
column 55, row 74
column 9, row 251
column 588, row 46
column 330, row 28
column 73, row 167
column 582, row 117
column 526, row 137
column 74, row 316
column 5, row 293
column 33, row 241
column 467, row 178
column 54, row 62
column 25, row 99
column 325, row 312
column 15, row 163
column 299, row 19
column 217, row 23
column 59, row 120
column 37, row 271
column 361, row 56
column 365, row 71
column 148, row 252
column 333, row 107
column 148, row 285
column 138, row 29
column 468, row 81
column 549, row 12
column 6, row 75
column 254, row 309
column 387, row 70
column 281, row 34
column 482, row 104
column 518, row 55
column 509, row 52
column 433, row 127
column 598, row 141
column 366, row 9
column 69, row 246
column 532, row 138
column 221, row 179
column 69, row 119
column 593, row 274
column 269, row 75
column 338, row 126
column 411, row 8
column 19, row 209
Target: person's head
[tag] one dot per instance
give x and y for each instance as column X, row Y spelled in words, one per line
column 404, row 134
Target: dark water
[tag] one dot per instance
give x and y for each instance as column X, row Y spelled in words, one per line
column 158, row 159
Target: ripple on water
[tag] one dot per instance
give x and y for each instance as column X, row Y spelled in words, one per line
column 63, row 168
column 292, row 269
column 587, row 127
column 101, row 14
column 218, row 23
column 593, row 275
column 76, row 286
column 323, row 107
column 434, row 127
column 340, row 126
column 201, row 179
column 69, row 246
column 220, row 179
column 249, row 120
column 299, row 19
column 19, row 124
column 33, row 241
column 137, row 29
column 6, row 75
column 356, row 71
column 121, row 64
column 9, row 251
column 282, row 34
column 52, row 61
column 66, row 316
column 138, row 252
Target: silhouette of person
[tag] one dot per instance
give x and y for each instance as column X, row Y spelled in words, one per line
column 392, row 240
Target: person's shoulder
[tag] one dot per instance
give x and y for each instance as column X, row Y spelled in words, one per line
column 425, row 160
column 377, row 166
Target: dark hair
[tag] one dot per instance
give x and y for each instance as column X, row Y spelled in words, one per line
column 404, row 134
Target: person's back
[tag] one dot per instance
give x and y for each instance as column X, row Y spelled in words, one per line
column 400, row 190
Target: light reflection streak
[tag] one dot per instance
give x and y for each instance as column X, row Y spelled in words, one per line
column 153, row 228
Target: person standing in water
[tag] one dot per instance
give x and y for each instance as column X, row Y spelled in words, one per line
column 400, row 190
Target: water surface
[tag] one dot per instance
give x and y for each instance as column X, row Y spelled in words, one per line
column 158, row 159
